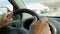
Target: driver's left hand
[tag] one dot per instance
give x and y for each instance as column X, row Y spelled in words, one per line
column 5, row 18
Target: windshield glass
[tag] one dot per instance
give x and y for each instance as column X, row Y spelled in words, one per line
column 44, row 7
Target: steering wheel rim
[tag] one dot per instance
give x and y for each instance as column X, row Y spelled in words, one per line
column 20, row 11
column 33, row 14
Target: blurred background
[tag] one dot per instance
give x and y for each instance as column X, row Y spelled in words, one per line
column 6, row 3
column 42, row 7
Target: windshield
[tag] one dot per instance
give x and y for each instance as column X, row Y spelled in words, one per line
column 44, row 7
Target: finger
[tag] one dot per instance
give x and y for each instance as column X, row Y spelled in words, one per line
column 3, row 16
column 7, row 16
column 35, row 19
column 43, row 20
column 47, row 26
column 10, row 14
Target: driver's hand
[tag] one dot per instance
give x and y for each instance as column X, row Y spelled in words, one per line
column 39, row 27
column 5, row 18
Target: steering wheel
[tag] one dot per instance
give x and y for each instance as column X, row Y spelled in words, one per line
column 22, row 27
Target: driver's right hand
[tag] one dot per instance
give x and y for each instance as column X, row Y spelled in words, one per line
column 39, row 26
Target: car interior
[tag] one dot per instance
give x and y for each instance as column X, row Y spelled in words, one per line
column 24, row 15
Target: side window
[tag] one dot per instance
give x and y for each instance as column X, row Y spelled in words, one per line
column 4, row 2
column 7, row 4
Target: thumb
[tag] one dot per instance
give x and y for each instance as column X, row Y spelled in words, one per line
column 35, row 19
column 10, row 14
